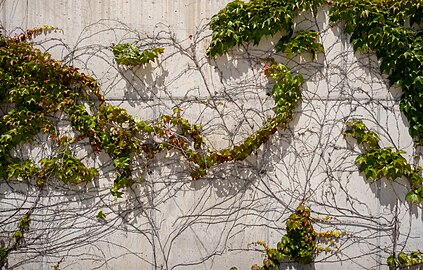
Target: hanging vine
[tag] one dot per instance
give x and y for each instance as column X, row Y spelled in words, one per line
column 250, row 21
column 129, row 55
column 47, row 87
column 378, row 162
column 391, row 30
column 300, row 243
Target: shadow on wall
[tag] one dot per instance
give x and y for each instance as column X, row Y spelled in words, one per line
column 141, row 84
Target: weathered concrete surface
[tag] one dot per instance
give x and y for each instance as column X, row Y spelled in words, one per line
column 168, row 221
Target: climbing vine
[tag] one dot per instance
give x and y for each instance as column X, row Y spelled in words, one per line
column 300, row 243
column 404, row 260
column 249, row 21
column 378, row 162
column 33, row 88
column 129, row 55
column 391, row 30
column 47, row 87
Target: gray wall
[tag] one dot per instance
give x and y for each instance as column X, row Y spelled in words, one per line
column 168, row 221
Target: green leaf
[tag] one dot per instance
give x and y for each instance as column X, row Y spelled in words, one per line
column 116, row 193
column 392, row 261
column 413, row 197
column 402, row 258
column 101, row 215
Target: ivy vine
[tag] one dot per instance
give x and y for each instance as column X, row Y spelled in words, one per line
column 47, row 87
column 300, row 243
column 250, row 21
column 33, row 88
column 404, row 260
column 391, row 30
column 378, row 162
column 129, row 55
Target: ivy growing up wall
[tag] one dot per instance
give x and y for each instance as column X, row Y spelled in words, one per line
column 134, row 144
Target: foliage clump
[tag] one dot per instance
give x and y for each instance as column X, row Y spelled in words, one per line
column 299, row 244
column 33, row 89
column 129, row 55
column 390, row 29
column 378, row 162
column 303, row 41
column 404, row 260
column 250, row 21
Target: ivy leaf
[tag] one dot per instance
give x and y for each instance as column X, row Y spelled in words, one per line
column 403, row 258
column 392, row 261
column 101, row 215
column 413, row 197
column 116, row 193
column 371, row 173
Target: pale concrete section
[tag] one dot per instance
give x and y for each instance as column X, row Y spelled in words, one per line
column 75, row 15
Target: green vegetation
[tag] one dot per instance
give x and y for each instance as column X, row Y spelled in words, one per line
column 129, row 55
column 379, row 162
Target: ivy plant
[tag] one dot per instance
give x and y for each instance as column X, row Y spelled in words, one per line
column 38, row 87
column 129, row 55
column 250, row 21
column 378, row 162
column 299, row 244
column 404, row 260
column 381, row 26
column 47, row 87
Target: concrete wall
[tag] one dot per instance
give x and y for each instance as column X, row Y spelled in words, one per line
column 167, row 221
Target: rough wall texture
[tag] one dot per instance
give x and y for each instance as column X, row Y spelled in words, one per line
column 168, row 221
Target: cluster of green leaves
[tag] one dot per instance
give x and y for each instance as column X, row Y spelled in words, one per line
column 250, row 21
column 359, row 131
column 33, row 88
column 387, row 163
column 66, row 168
column 298, row 244
column 286, row 90
column 117, row 132
column 63, row 167
column 380, row 26
column 303, row 41
column 403, row 260
column 129, row 55
column 383, row 162
column 24, row 170
column 23, row 226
